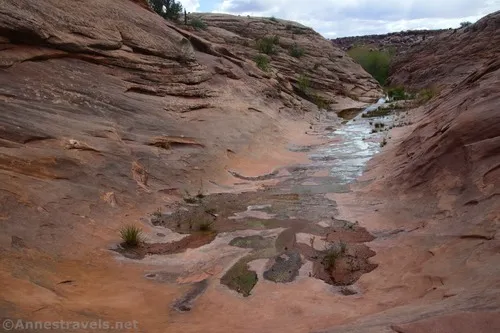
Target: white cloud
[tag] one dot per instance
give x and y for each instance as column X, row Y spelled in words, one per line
column 190, row 5
column 359, row 17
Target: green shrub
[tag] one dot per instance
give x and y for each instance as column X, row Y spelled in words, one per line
column 267, row 45
column 274, row 19
column 397, row 93
column 304, row 83
column 296, row 51
column 332, row 253
column 374, row 62
column 131, row 235
column 262, row 62
column 465, row 24
column 427, row 94
column 198, row 24
column 320, row 102
column 168, row 9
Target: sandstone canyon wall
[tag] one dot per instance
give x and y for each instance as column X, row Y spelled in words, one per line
column 448, row 58
column 105, row 104
column 108, row 111
column 439, row 178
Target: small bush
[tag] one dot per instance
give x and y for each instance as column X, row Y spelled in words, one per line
column 330, row 259
column 465, row 24
column 332, row 253
column 262, row 62
column 320, row 102
column 289, row 27
column 267, row 45
column 131, row 235
column 427, row 94
column 274, row 19
column 304, row 83
column 296, row 51
column 373, row 61
column 198, row 24
column 316, row 65
column 397, row 93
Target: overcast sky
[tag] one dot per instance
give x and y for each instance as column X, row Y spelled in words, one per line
column 339, row 18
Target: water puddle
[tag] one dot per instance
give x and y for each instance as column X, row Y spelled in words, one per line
column 311, row 242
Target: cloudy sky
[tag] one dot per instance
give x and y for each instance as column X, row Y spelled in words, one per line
column 339, row 18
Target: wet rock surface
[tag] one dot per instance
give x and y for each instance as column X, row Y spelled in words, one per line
column 298, row 204
column 285, row 267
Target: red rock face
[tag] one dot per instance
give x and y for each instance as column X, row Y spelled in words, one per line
column 438, row 183
column 106, row 107
column 447, row 59
column 457, row 141
column 142, row 3
column 108, row 112
column 108, row 96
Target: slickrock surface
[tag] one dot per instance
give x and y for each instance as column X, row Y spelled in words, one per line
column 108, row 113
column 447, row 59
column 106, row 104
column 328, row 69
column 432, row 201
column 434, row 195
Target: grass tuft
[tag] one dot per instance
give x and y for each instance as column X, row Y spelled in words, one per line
column 131, row 235
column 332, row 253
column 262, row 62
